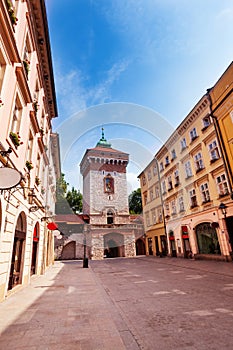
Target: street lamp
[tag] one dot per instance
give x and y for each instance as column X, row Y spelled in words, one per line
column 223, row 208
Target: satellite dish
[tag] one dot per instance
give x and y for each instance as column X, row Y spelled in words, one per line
column 9, row 178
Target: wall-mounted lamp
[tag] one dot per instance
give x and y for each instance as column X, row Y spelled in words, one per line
column 5, row 153
column 223, row 208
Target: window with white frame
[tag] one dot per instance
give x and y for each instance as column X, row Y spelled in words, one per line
column 169, row 183
column 222, row 185
column 2, row 69
column 151, row 194
column 188, row 169
column 154, row 170
column 30, row 148
column 160, row 215
column 183, row 143
column 181, row 203
column 173, row 154
column 199, row 165
column 193, row 198
column 157, row 192
column 143, row 180
column 149, row 174
column 167, row 210
column 176, row 176
column 147, row 219
column 17, row 115
column 153, row 215
column 163, row 186
column 145, row 198
column 161, row 166
column 214, row 152
column 167, row 161
column 205, row 192
column 193, row 134
column 173, row 205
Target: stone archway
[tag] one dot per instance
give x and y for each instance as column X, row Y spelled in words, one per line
column 17, row 261
column 68, row 251
column 114, row 245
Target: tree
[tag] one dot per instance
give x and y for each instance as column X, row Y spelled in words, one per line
column 135, row 202
column 74, row 198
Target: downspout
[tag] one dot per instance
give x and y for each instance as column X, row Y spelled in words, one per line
column 225, row 158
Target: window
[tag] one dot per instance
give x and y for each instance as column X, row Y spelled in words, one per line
column 143, row 180
column 30, row 148
column 181, row 204
column 205, row 193
column 193, row 198
column 188, row 169
column 173, row 154
column 214, row 152
column 161, row 166
column 169, row 181
column 17, row 115
column 193, row 134
column 167, row 161
column 151, row 194
column 167, row 210
column 2, row 70
column 153, row 215
column 160, row 215
column 155, row 170
column 163, row 187
column 145, row 198
column 222, row 185
column 173, row 205
column 147, row 219
column 206, row 122
column 183, row 144
column 157, row 192
column 199, row 165
column 110, row 217
column 149, row 174
column 177, row 179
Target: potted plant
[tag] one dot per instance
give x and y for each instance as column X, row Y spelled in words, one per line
column 15, row 138
column 41, row 131
column 11, row 12
column 29, row 165
column 26, row 64
column 37, row 181
column 35, row 106
column 42, row 190
column 1, row 103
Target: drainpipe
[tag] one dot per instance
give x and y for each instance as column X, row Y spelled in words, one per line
column 225, row 158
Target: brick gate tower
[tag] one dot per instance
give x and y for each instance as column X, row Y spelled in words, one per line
column 105, row 201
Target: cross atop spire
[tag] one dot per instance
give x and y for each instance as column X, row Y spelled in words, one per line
column 103, row 142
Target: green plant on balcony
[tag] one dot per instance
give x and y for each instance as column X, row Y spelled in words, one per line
column 37, row 181
column 1, row 103
column 11, row 12
column 29, row 165
column 42, row 131
column 42, row 190
column 26, row 64
column 35, row 106
column 15, row 138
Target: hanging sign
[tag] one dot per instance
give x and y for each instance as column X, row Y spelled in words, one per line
column 9, row 178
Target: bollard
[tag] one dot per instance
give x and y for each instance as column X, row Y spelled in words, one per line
column 85, row 262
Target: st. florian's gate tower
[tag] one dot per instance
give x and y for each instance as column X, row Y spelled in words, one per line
column 105, row 202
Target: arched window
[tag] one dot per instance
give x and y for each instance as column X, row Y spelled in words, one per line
column 110, row 217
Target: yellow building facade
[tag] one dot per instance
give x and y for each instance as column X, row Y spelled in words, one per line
column 194, row 185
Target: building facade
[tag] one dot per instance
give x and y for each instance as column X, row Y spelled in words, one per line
column 105, row 202
column 194, row 184
column 29, row 150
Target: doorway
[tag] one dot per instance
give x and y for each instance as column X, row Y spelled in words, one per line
column 114, row 245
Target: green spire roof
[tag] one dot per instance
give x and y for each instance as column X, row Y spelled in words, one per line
column 103, row 142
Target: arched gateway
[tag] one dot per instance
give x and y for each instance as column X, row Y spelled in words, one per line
column 114, row 245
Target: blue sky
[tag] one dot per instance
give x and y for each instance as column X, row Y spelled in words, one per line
column 117, row 59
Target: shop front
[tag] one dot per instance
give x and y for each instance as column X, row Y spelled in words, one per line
column 207, row 239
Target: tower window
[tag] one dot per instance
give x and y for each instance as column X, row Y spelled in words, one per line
column 108, row 184
column 109, row 217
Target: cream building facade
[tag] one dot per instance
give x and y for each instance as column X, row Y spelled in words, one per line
column 28, row 147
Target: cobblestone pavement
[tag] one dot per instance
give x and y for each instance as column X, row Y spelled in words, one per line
column 139, row 303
